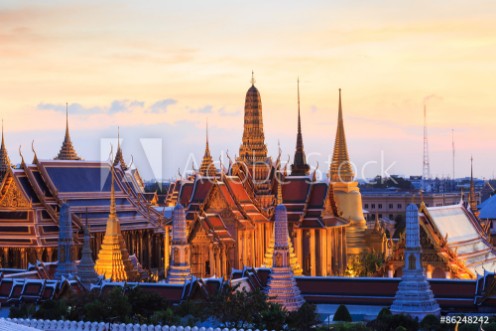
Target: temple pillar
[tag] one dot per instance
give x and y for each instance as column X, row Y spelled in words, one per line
column 23, row 258
column 323, row 252
column 211, row 259
column 313, row 253
column 217, row 260
column 49, row 254
column 166, row 249
column 298, row 248
column 6, row 262
column 149, row 248
column 39, row 253
column 329, row 251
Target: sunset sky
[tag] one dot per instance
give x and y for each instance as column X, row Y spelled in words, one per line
column 160, row 69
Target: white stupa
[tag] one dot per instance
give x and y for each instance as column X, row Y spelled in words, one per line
column 281, row 286
column 414, row 296
column 179, row 270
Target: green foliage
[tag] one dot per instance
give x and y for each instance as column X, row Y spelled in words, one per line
column 52, row 310
column 348, row 326
column 367, row 264
column 303, row 319
column 431, row 323
column 386, row 321
column 342, row 314
column 22, row 310
column 274, row 317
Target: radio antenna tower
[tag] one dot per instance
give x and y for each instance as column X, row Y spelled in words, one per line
column 426, row 169
column 453, row 149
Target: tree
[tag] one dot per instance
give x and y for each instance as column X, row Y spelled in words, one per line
column 303, row 319
column 342, row 314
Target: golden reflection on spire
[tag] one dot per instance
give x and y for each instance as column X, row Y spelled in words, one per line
column 341, row 168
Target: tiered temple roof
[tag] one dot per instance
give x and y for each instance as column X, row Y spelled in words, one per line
column 32, row 194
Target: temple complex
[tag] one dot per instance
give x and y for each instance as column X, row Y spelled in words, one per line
column 230, row 213
column 414, row 296
column 224, row 218
column 32, row 195
column 281, row 286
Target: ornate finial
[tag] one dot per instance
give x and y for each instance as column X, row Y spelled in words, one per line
column 314, row 175
column 179, row 173
column 35, row 158
column 252, row 78
column 22, row 157
column 132, row 161
column 341, row 167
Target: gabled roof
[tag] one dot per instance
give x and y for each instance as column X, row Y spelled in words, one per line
column 458, row 229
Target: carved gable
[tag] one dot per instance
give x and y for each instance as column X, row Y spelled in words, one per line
column 12, row 196
column 216, row 200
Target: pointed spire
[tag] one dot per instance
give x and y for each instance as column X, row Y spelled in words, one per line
column 67, row 151
column 66, row 266
column 299, row 166
column 207, row 167
column 472, row 198
column 341, row 168
column 119, row 158
column 86, row 267
column 252, row 78
column 113, row 258
column 4, row 158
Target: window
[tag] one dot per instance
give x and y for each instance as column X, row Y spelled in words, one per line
column 366, row 206
column 380, row 206
column 373, row 206
column 391, row 217
column 391, row 206
column 380, row 215
column 399, row 206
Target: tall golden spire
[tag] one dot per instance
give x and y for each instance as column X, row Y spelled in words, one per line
column 207, row 167
column 299, row 166
column 67, row 151
column 113, row 258
column 253, row 148
column 118, row 156
column 472, row 198
column 4, row 158
column 341, row 168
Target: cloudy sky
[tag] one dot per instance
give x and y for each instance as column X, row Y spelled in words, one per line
column 160, row 69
